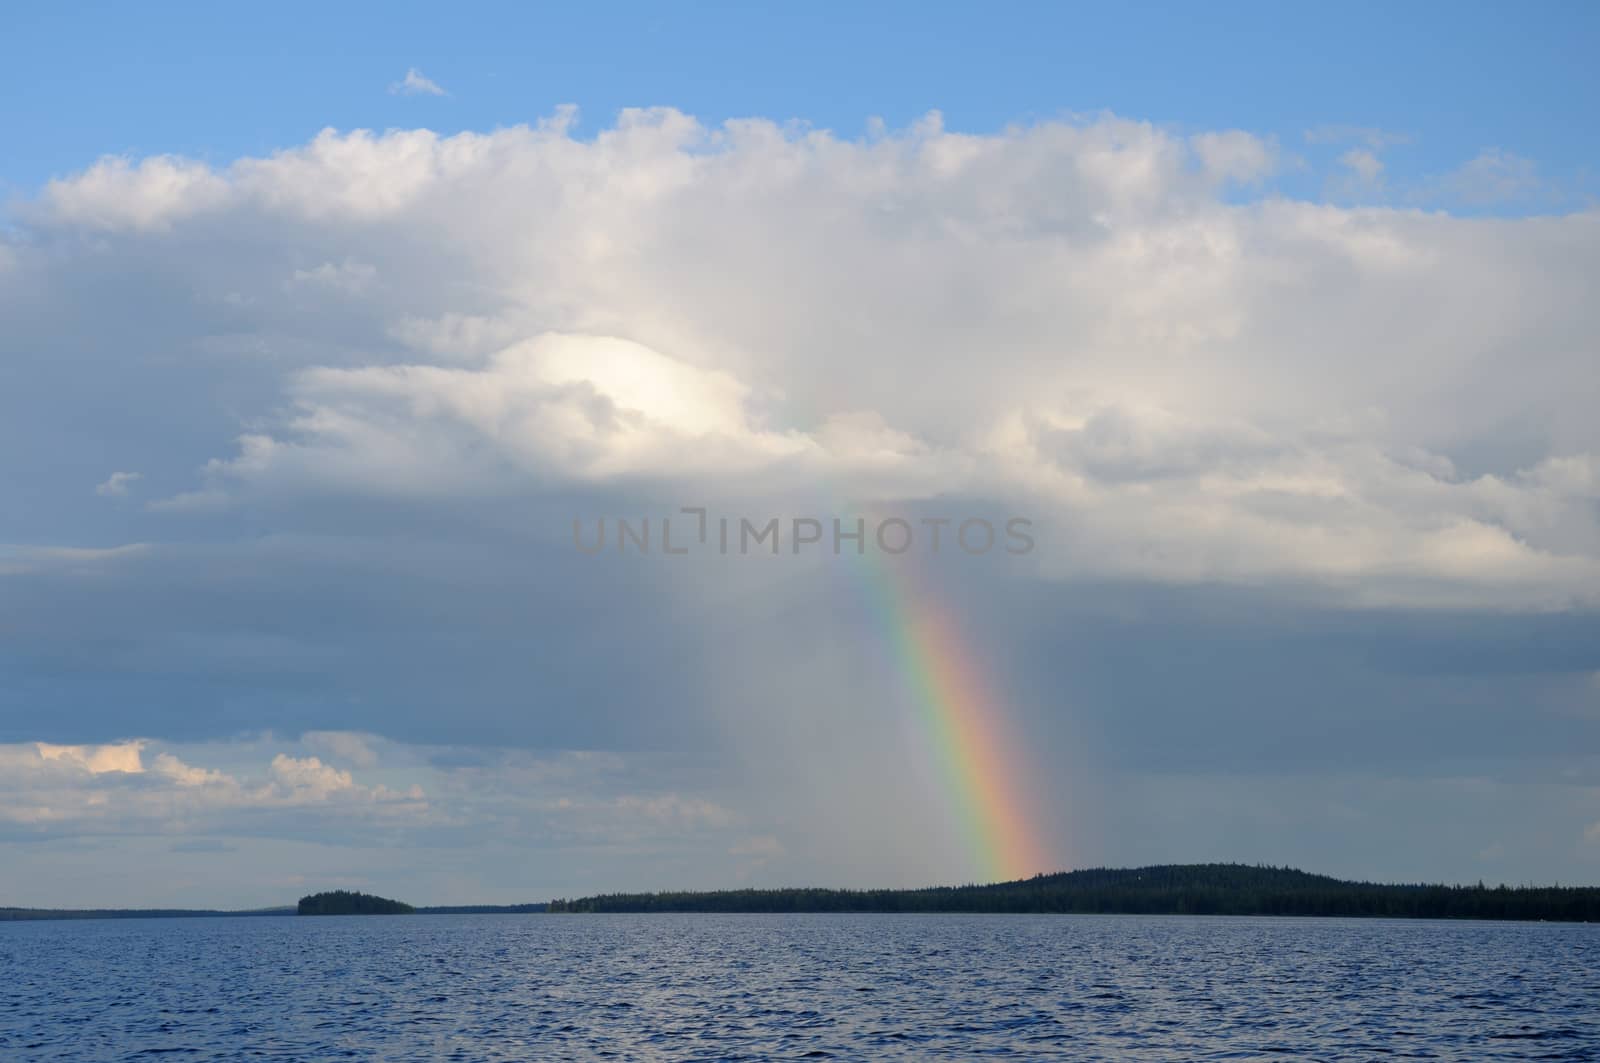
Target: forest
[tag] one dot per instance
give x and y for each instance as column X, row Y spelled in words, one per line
column 345, row 902
column 1171, row 889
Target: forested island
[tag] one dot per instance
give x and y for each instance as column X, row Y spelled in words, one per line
column 1169, row 889
column 346, row 902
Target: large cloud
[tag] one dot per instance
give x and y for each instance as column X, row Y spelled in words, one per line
column 1394, row 403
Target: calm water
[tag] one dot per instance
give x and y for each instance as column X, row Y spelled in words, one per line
column 791, row 987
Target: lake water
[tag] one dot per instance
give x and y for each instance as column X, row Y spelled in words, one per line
column 547, row 987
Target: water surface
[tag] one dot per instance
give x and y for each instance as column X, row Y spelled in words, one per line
column 533, row 987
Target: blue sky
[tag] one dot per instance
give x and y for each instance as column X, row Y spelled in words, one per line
column 215, row 83
column 321, row 326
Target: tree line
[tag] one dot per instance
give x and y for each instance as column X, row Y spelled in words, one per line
column 1171, row 889
column 346, row 902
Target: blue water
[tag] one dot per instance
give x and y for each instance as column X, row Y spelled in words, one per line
column 546, row 987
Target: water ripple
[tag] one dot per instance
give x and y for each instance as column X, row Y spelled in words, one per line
column 757, row 987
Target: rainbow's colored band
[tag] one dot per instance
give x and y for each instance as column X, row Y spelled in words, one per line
column 965, row 723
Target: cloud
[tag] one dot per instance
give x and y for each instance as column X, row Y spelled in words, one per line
column 1182, row 319
column 1363, row 163
column 415, row 84
column 586, row 406
column 1186, row 388
column 1271, row 447
column 675, row 810
column 91, row 790
column 83, row 791
column 309, row 777
column 1236, row 156
column 348, row 277
column 346, row 745
column 116, row 485
column 117, row 194
column 239, row 793
column 203, row 845
column 762, row 845
column 1373, row 138
column 96, row 760
column 511, row 826
column 1494, row 177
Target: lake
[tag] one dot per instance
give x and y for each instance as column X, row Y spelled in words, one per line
column 521, row 987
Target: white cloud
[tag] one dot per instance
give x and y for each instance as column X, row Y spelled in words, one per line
column 415, row 84
column 140, row 786
column 581, row 405
column 171, row 767
column 673, row 810
column 309, row 777
column 116, row 194
column 346, row 745
column 351, row 278
column 116, row 485
column 93, row 789
column 1363, row 163
column 1494, row 176
column 1067, row 318
column 96, row 760
column 1236, row 156
column 1373, row 138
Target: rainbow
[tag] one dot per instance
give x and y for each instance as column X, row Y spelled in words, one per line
column 964, row 722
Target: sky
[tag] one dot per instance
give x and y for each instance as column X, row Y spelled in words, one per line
column 328, row 336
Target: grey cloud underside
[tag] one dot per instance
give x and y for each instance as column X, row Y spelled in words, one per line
column 395, row 638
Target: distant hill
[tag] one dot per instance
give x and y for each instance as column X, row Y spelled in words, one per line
column 1176, row 889
column 13, row 914
column 483, row 909
column 18, row 914
column 345, row 902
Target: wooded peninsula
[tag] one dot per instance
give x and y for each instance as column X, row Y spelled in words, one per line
column 1169, row 889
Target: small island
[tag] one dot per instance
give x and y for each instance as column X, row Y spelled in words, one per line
column 345, row 902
